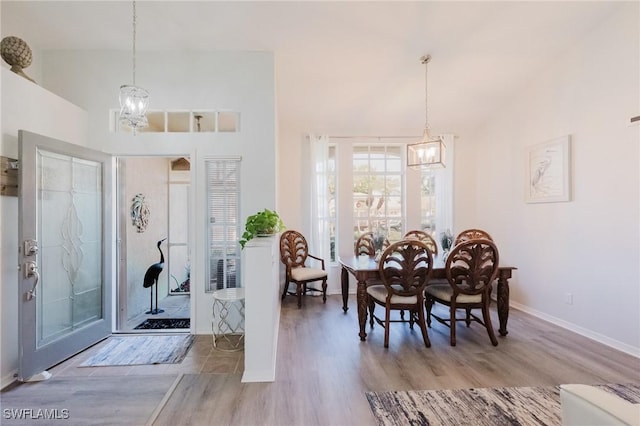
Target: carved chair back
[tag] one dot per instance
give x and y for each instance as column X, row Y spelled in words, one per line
column 471, row 234
column 405, row 268
column 472, row 266
column 425, row 238
column 294, row 249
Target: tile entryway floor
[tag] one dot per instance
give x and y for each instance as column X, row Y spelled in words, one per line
column 174, row 306
column 202, row 358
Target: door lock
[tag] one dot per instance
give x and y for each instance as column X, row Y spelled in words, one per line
column 30, row 247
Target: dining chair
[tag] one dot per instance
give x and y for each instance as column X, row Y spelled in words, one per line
column 425, row 238
column 294, row 252
column 471, row 234
column 471, row 269
column 405, row 268
column 365, row 244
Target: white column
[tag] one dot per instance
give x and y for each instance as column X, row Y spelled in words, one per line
column 262, row 309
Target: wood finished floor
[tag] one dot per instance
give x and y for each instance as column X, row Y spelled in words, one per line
column 323, row 370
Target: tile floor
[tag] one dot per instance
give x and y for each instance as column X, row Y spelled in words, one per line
column 174, row 306
column 202, row 358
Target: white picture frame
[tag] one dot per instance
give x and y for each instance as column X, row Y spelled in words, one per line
column 548, row 171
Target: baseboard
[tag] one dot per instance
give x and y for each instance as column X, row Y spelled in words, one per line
column 8, row 379
column 600, row 338
column 259, row 376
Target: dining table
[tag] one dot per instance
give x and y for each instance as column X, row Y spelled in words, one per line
column 365, row 270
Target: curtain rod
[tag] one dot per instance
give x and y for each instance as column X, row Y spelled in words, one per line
column 377, row 137
column 371, row 137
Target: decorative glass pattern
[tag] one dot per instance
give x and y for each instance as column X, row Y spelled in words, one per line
column 69, row 208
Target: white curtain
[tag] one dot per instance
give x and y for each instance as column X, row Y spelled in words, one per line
column 444, row 189
column 319, row 244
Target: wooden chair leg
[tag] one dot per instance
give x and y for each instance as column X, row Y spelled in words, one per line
column 428, row 304
column 468, row 317
column 372, row 307
column 324, row 291
column 387, row 322
column 412, row 319
column 299, row 294
column 452, row 316
column 286, row 288
column 423, row 327
column 487, row 323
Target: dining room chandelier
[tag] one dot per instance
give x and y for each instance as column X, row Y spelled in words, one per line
column 134, row 100
column 430, row 151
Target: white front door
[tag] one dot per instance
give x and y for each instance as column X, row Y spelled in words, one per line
column 65, row 235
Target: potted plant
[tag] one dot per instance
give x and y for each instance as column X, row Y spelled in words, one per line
column 264, row 223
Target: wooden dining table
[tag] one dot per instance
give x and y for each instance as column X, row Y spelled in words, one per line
column 364, row 270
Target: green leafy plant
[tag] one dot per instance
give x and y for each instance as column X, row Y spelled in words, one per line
column 446, row 239
column 266, row 222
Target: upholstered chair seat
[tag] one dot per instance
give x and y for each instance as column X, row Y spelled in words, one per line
column 379, row 292
column 445, row 292
column 307, row 274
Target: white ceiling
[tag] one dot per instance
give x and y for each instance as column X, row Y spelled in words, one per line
column 346, row 67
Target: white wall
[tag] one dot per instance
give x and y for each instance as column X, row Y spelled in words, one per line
column 25, row 106
column 237, row 81
column 176, row 80
column 148, row 176
column 588, row 247
column 590, row 93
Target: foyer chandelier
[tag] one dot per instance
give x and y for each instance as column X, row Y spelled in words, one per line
column 429, row 152
column 134, row 100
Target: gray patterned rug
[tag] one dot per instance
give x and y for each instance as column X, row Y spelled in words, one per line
column 141, row 350
column 524, row 406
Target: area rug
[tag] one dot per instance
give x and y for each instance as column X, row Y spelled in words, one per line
column 524, row 406
column 141, row 350
column 163, row 323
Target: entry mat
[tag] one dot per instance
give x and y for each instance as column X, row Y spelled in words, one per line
column 141, row 350
column 163, row 323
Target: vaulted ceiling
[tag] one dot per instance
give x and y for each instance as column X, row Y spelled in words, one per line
column 345, row 67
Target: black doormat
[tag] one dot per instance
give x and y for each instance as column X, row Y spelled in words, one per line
column 161, row 323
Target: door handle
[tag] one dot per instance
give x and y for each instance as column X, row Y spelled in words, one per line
column 31, row 270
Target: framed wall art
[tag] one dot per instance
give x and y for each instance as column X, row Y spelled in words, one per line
column 548, row 171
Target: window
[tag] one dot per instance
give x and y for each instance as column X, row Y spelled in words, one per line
column 428, row 205
column 331, row 187
column 378, row 190
column 200, row 121
column 369, row 188
column 223, row 201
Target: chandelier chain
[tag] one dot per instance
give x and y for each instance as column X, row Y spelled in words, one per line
column 425, row 61
column 134, row 43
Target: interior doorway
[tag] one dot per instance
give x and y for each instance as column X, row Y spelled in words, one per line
column 154, row 270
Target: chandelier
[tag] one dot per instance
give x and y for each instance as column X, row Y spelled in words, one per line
column 134, row 100
column 429, row 152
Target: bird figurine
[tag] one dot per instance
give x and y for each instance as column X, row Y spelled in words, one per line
column 151, row 278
